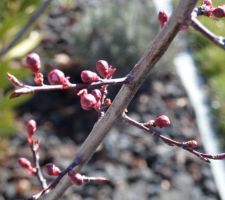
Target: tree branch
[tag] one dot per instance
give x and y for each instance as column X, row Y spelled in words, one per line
column 140, row 72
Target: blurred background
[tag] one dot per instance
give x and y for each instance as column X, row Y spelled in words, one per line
column 72, row 36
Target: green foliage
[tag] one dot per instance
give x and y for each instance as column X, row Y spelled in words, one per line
column 211, row 61
column 14, row 14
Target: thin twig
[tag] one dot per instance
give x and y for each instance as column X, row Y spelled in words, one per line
column 25, row 89
column 36, row 158
column 198, row 26
column 25, row 28
column 172, row 142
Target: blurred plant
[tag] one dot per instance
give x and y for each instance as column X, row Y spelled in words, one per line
column 14, row 15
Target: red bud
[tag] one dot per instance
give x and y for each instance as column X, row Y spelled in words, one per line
column 89, row 76
column 52, row 169
column 162, row 121
column 76, row 178
column 33, row 62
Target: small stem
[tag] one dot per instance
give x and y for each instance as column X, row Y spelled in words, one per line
column 205, row 157
column 31, row 89
column 198, row 26
column 39, row 174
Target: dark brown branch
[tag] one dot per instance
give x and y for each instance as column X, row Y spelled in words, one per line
column 25, row 28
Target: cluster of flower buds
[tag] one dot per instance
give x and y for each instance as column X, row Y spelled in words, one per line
column 78, row 179
column 33, row 62
column 26, row 164
column 211, row 11
column 163, row 18
column 93, row 100
column 161, row 121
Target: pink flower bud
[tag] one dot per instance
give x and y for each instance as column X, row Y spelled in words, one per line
column 207, row 3
column 76, row 178
column 31, row 127
column 97, row 94
column 52, row 169
column 89, row 76
column 39, row 79
column 33, row 62
column 102, row 67
column 87, row 101
column 219, row 11
column 163, row 18
column 191, row 144
column 162, row 121
column 24, row 163
column 56, row 77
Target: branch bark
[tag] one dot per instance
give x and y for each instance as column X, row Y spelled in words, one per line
column 140, row 72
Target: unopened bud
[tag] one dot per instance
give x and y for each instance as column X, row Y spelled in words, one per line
column 52, row 169
column 30, row 128
column 39, row 79
column 24, row 163
column 162, row 121
column 56, row 77
column 191, row 144
column 219, row 11
column 207, row 3
column 76, row 178
column 163, row 18
column 33, row 62
column 87, row 101
column 97, row 94
column 102, row 67
column 89, row 76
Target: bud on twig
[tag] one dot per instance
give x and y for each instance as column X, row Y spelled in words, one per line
column 88, row 76
column 163, row 18
column 14, row 80
column 52, row 169
column 191, row 144
column 31, row 127
column 219, row 11
column 26, row 164
column 162, row 121
column 33, row 62
column 87, row 101
column 76, row 178
column 56, row 77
